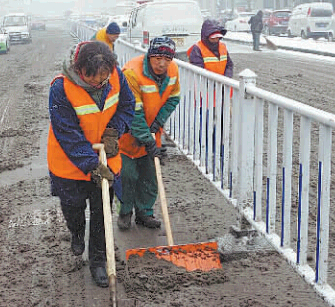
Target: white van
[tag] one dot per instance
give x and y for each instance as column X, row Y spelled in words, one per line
column 18, row 27
column 180, row 20
column 311, row 20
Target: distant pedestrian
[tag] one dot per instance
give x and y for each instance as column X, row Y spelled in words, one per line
column 256, row 27
column 108, row 35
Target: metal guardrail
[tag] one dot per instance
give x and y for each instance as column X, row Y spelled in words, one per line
column 255, row 147
column 80, row 30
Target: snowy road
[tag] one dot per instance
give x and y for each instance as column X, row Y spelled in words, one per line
column 320, row 46
column 36, row 265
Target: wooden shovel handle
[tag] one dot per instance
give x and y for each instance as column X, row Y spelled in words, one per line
column 108, row 223
column 162, row 196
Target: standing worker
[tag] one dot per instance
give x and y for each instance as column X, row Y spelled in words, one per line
column 211, row 53
column 154, row 80
column 256, row 27
column 108, row 35
column 90, row 102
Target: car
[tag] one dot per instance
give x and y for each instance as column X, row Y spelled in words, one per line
column 4, row 41
column 266, row 16
column 38, row 24
column 277, row 23
column 180, row 20
column 226, row 15
column 331, row 36
column 206, row 14
column 312, row 20
column 240, row 23
column 18, row 27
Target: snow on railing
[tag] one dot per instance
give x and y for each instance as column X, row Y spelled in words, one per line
column 257, row 147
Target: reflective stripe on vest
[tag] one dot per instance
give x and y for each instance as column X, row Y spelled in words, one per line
column 152, row 102
column 212, row 62
column 93, row 108
column 93, row 123
column 149, row 88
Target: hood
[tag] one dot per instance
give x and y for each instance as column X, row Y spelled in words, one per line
column 72, row 75
column 16, row 29
column 210, row 26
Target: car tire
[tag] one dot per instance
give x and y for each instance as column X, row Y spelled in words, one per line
column 303, row 35
column 289, row 33
column 330, row 37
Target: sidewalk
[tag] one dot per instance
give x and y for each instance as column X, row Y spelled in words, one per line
column 253, row 273
column 320, row 46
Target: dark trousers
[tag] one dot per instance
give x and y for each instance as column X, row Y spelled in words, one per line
column 256, row 38
column 73, row 195
column 139, row 185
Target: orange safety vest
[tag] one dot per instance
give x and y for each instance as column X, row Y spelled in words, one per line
column 152, row 103
column 211, row 61
column 93, row 123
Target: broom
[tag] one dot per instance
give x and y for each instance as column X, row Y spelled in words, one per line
column 270, row 44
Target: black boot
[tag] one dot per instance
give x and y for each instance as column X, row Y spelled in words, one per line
column 163, row 150
column 100, row 276
column 124, row 221
column 147, row 221
column 78, row 243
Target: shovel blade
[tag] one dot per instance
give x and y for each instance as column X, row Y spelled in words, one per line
column 202, row 256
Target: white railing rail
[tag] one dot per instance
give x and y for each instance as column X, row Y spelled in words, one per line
column 256, row 148
column 80, row 30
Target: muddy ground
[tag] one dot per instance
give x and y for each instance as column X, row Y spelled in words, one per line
column 36, row 264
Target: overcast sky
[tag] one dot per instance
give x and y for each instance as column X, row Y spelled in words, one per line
column 55, row 7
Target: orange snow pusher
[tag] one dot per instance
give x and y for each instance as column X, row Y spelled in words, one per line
column 202, row 256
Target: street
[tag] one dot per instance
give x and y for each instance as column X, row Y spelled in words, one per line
column 37, row 267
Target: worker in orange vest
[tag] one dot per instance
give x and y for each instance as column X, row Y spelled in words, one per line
column 90, row 102
column 210, row 52
column 154, row 80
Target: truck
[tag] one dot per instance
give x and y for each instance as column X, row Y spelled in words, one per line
column 18, row 27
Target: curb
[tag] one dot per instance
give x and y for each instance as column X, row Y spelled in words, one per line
column 324, row 53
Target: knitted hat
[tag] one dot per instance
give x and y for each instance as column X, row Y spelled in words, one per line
column 113, row 28
column 162, row 46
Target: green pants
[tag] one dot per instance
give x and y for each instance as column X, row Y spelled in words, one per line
column 139, row 185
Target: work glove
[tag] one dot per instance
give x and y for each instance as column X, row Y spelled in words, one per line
column 155, row 126
column 152, row 150
column 100, row 172
column 110, row 140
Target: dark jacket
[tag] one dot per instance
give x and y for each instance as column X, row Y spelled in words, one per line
column 209, row 27
column 256, row 22
column 63, row 115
